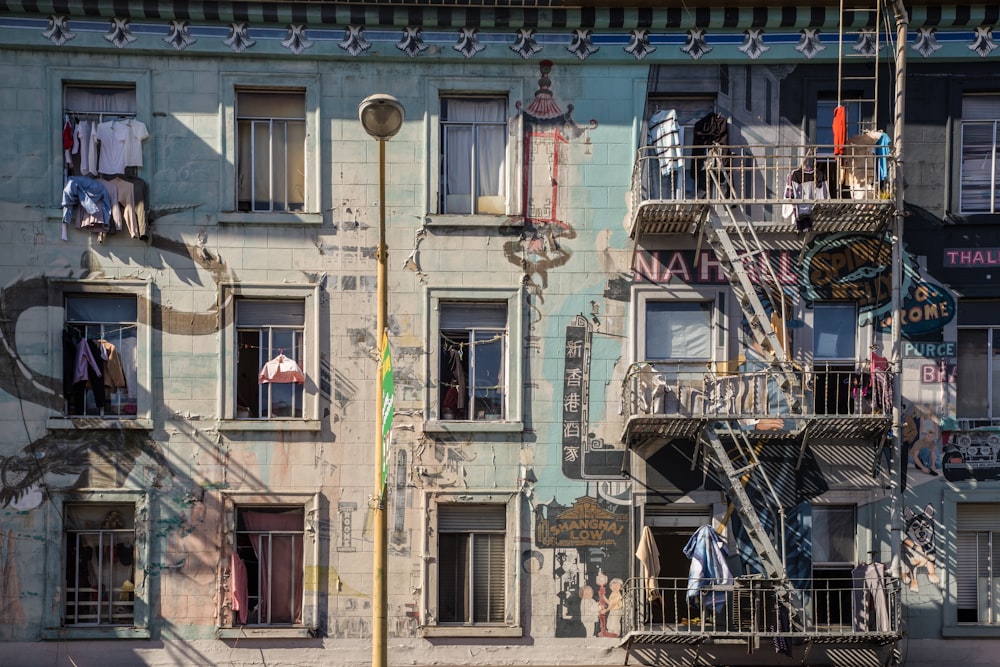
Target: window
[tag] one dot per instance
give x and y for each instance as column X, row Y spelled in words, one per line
column 978, row 550
column 473, row 149
column 834, row 556
column 835, row 331
column 678, row 330
column 269, row 361
column 978, row 350
column 270, row 155
column 85, row 108
column 270, row 357
column 471, row 563
column 268, row 557
column 100, row 356
column 473, row 360
column 100, row 564
column 980, row 168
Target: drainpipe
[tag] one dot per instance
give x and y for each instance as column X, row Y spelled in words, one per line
column 902, row 23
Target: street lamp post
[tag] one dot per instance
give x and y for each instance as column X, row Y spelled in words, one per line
column 382, row 116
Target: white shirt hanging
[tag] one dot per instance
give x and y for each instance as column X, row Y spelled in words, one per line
column 281, row 369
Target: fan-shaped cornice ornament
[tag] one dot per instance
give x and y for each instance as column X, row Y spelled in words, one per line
column 926, row 42
column 58, row 32
column 638, row 44
column 296, row 41
column 581, row 46
column 983, row 43
column 179, row 37
column 753, row 43
column 239, row 38
column 696, row 46
column 354, row 40
column 524, row 43
column 120, row 33
column 468, row 42
column 412, row 43
column 809, row 44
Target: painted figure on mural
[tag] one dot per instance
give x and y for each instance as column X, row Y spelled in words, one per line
column 924, row 451
column 613, row 627
column 590, row 611
column 919, row 548
column 602, row 596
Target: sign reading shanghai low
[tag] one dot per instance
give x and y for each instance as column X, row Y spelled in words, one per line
column 585, row 524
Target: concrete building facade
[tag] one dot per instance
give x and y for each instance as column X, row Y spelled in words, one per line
column 664, row 282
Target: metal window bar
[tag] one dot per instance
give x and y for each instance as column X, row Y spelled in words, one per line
column 114, row 333
column 104, row 610
column 267, row 538
column 268, row 350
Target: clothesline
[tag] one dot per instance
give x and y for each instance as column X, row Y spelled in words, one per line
column 461, row 345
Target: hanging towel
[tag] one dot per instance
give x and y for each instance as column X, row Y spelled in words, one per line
column 649, row 557
column 281, row 369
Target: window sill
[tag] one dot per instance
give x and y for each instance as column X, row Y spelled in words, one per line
column 435, row 426
column 98, row 424
column 269, row 425
column 115, row 632
column 249, row 218
column 971, row 630
column 474, row 220
column 471, row 631
column 264, row 633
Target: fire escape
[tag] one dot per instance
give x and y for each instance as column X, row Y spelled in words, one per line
column 742, row 209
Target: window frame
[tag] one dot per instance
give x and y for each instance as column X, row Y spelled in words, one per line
column 60, row 77
column 855, row 329
column 511, row 627
column 511, row 89
column 230, row 85
column 947, row 562
column 272, row 122
column 476, row 127
column 228, row 352
column 142, row 292
column 53, row 625
column 514, row 358
column 994, row 180
column 719, row 328
column 309, row 501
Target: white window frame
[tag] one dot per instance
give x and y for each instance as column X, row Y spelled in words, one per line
column 230, row 292
column 142, row 292
column 511, row 627
column 992, row 125
column 718, row 328
column 60, row 77
column 436, row 88
column 53, row 625
column 277, row 151
column 512, row 420
column 476, row 203
column 232, row 83
column 309, row 501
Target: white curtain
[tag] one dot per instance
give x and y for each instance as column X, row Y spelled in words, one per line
column 489, row 142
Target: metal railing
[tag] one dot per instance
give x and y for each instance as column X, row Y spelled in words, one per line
column 854, row 609
column 766, row 174
column 667, row 389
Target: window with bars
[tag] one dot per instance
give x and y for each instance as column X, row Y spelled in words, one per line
column 100, row 350
column 270, row 337
column 271, row 147
column 473, row 359
column 977, row 553
column 472, row 579
column 473, row 155
column 980, row 164
column 834, row 555
column 100, row 564
column 267, row 566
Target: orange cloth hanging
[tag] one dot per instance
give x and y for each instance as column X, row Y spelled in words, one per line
column 839, row 129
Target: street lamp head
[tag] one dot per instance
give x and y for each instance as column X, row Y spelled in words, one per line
column 381, row 115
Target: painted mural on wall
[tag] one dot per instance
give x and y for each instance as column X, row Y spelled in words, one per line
column 546, row 131
column 585, row 541
column 919, row 546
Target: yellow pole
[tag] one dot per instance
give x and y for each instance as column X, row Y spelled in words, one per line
column 379, row 598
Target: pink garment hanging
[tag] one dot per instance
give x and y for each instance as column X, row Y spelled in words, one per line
column 238, row 583
column 281, row 369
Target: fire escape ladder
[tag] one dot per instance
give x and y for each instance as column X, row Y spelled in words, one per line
column 736, row 246
column 860, row 42
column 739, row 466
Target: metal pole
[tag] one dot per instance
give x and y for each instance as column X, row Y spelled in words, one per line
column 902, row 22
column 379, row 598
